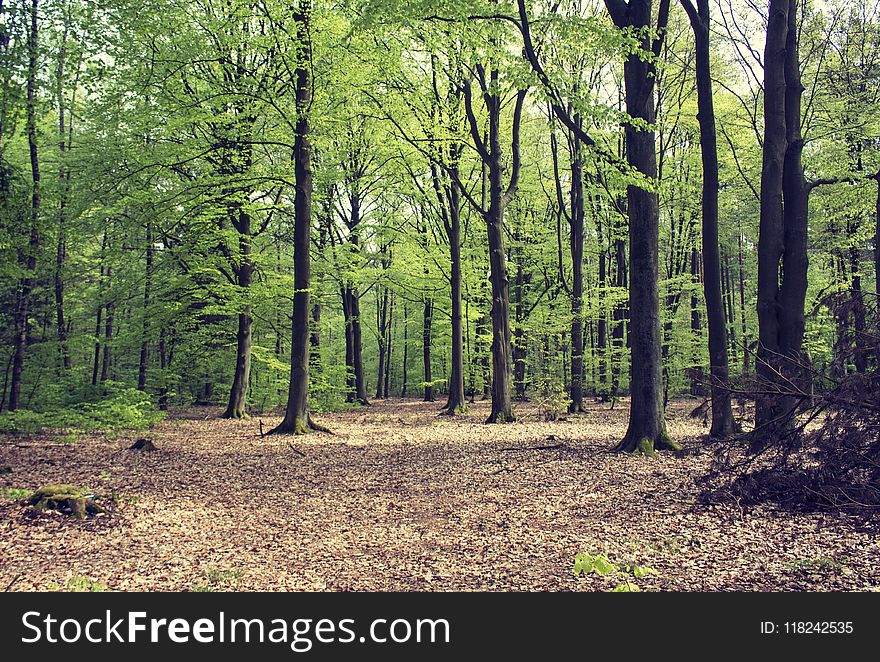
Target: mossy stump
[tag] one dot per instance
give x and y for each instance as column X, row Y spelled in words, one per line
column 67, row 499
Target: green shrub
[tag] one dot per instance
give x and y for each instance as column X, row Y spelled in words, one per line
column 600, row 564
column 114, row 407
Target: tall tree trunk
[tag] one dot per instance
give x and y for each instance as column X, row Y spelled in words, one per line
column 296, row 418
column 427, row 318
column 381, row 335
column 455, row 402
column 98, row 314
column 722, row 414
column 771, row 239
column 742, row 304
column 386, row 388
column 518, row 345
column 576, row 243
column 618, row 330
column 860, row 355
column 164, row 364
column 65, row 136
column 877, row 238
column 360, row 382
column 647, row 428
column 405, row 376
column 781, row 305
column 698, row 378
column 28, row 256
column 602, row 327
column 107, row 354
column 502, row 410
column 148, row 294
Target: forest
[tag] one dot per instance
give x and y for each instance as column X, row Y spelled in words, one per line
column 567, row 295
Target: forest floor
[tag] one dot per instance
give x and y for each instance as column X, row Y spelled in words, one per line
column 399, row 498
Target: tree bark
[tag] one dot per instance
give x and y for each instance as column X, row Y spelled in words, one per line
column 722, row 413
column 296, row 418
column 148, row 293
column 771, row 239
column 647, row 429
column 28, row 256
column 455, row 402
column 427, row 318
column 781, row 305
column 576, row 244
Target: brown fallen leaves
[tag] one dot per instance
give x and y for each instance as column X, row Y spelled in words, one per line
column 401, row 499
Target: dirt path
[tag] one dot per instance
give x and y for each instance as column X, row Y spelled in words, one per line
column 400, row 499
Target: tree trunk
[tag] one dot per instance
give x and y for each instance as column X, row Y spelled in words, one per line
column 405, row 376
column 164, row 364
column 145, row 331
column 296, row 418
column 427, row 317
column 771, row 240
column 518, row 346
column 360, row 382
column 647, row 428
column 576, row 243
column 455, row 402
column 389, row 345
column 107, row 355
column 381, row 336
column 722, row 414
column 747, row 352
column 28, row 256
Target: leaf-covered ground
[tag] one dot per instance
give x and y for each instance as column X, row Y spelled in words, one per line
column 401, row 499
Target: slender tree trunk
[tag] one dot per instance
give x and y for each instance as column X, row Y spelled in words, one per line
column 722, row 414
column 98, row 319
column 455, row 403
column 405, row 376
column 28, row 256
column 107, row 354
column 389, row 345
column 63, row 193
column 381, row 336
column 618, row 331
column 860, row 355
column 148, row 293
column 877, row 238
column 360, row 382
column 576, row 242
column 98, row 314
column 602, row 328
column 742, row 305
column 296, row 418
column 164, row 364
column 698, row 378
column 518, row 345
column 427, row 318
column 502, row 410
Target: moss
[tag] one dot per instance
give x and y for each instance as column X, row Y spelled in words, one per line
column 665, row 443
column 645, row 446
column 501, row 417
column 64, row 498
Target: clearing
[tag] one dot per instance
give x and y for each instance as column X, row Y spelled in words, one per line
column 402, row 499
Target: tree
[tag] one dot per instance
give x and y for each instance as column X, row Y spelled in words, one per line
column 647, row 429
column 722, row 414
column 782, row 243
column 296, row 418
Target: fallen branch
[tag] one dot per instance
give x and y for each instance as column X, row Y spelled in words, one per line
column 549, row 447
